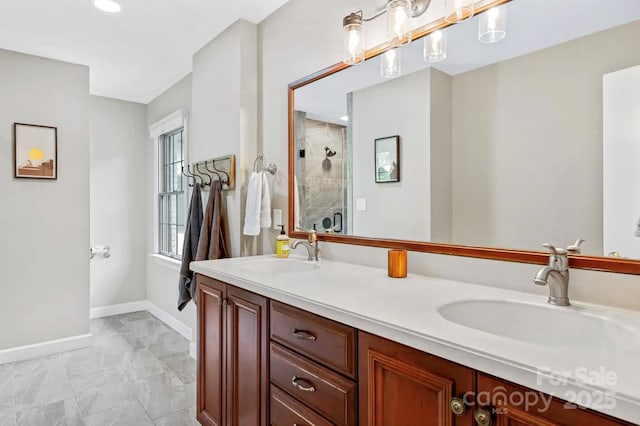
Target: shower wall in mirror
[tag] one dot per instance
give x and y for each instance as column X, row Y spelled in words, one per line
column 532, row 139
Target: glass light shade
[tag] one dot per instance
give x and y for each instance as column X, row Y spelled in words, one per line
column 391, row 63
column 353, row 43
column 399, row 22
column 458, row 10
column 435, row 47
column 492, row 25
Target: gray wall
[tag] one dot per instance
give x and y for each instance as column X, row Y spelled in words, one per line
column 45, row 224
column 225, row 93
column 118, row 169
column 546, row 106
column 162, row 278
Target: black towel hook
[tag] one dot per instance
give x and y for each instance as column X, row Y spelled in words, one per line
column 205, row 174
column 228, row 178
column 191, row 176
column 206, row 166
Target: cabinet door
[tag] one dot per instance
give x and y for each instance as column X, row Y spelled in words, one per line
column 211, row 389
column 405, row 387
column 513, row 405
column 247, row 374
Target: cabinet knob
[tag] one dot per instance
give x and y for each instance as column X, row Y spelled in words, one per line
column 482, row 417
column 458, row 407
column 303, row 334
column 302, row 384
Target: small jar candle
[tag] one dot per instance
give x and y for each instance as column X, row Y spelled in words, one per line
column 398, row 263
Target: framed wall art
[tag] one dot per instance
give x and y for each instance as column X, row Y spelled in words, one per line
column 35, row 151
column 387, row 159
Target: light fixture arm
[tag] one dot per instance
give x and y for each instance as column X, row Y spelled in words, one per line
column 418, row 8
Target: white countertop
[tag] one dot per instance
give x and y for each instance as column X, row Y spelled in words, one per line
column 406, row 311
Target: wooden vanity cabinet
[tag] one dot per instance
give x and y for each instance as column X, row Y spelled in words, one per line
column 510, row 409
column 401, row 386
column 326, row 373
column 233, row 375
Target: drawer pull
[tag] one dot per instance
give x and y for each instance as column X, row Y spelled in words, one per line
column 302, row 384
column 303, row 335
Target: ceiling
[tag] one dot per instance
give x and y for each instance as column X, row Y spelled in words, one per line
column 531, row 25
column 134, row 55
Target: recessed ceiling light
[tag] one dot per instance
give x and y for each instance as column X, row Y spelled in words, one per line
column 107, row 6
column 344, row 118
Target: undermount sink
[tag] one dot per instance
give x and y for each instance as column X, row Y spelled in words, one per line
column 274, row 265
column 569, row 327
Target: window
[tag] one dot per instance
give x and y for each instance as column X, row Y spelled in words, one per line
column 171, row 194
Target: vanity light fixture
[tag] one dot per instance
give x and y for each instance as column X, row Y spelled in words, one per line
column 109, row 6
column 391, row 63
column 492, row 25
column 399, row 14
column 435, row 47
column 458, row 10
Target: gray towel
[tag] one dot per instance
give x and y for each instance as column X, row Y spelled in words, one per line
column 191, row 239
column 212, row 240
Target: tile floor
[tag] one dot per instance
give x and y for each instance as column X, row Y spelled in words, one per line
column 136, row 372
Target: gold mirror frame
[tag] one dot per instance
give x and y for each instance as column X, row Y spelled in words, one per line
column 624, row 266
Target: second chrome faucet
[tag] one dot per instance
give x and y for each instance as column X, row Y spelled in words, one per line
column 556, row 276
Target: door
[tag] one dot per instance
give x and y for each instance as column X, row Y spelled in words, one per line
column 211, row 363
column 401, row 386
column 247, row 371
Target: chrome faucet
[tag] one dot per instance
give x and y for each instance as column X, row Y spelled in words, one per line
column 556, row 276
column 311, row 244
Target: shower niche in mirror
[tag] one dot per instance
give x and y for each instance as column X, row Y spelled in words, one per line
column 505, row 145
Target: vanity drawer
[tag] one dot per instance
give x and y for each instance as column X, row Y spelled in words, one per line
column 286, row 411
column 328, row 342
column 328, row 393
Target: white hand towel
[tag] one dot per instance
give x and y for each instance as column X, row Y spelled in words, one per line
column 265, row 208
column 253, row 206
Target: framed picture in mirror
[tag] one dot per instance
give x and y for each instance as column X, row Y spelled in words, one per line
column 387, row 159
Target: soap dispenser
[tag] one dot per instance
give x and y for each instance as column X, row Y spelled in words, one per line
column 282, row 244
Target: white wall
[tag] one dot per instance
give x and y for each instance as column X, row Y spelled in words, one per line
column 395, row 107
column 303, row 37
column 162, row 276
column 621, row 154
column 225, row 93
column 118, row 169
column 527, row 145
column 44, row 249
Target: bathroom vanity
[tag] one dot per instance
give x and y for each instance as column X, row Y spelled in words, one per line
column 293, row 342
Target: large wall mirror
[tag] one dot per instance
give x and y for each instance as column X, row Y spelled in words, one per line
column 500, row 146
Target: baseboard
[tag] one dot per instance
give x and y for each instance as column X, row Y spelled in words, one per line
column 170, row 320
column 145, row 305
column 37, row 350
column 123, row 308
